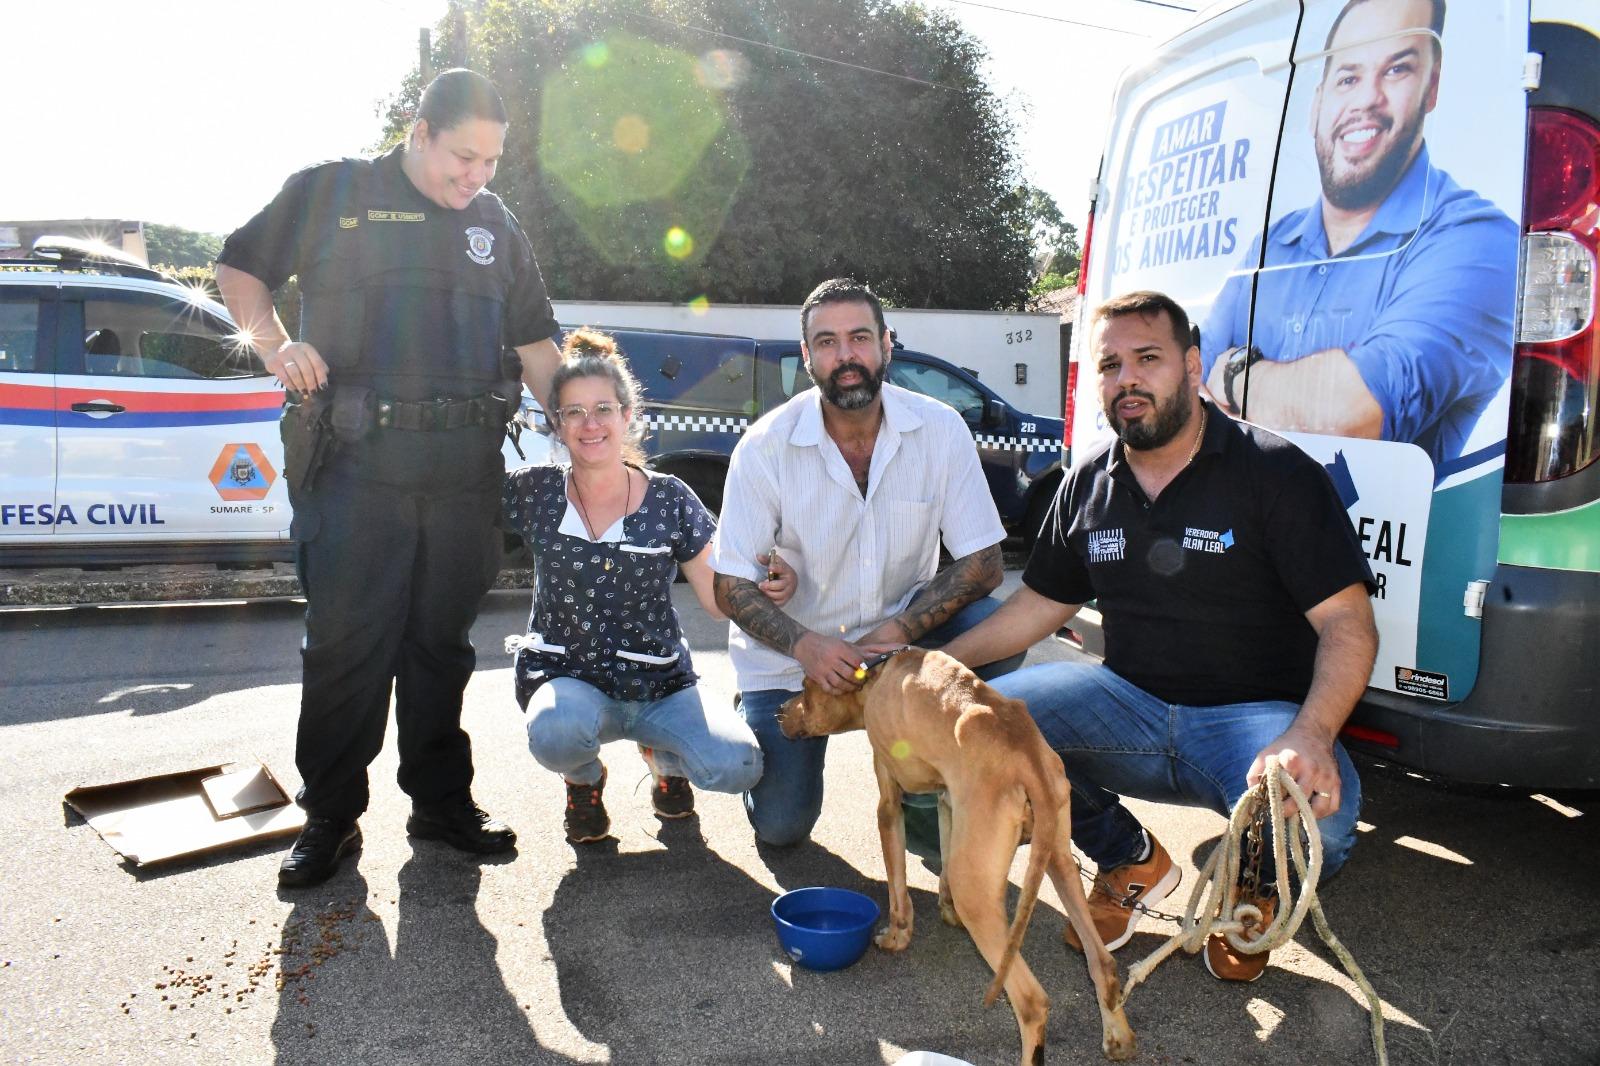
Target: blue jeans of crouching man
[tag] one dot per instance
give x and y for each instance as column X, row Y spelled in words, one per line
column 1118, row 740
column 785, row 804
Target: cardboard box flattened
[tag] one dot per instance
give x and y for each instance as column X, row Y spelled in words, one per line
column 173, row 816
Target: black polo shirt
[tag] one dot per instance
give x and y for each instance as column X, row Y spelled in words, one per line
column 1203, row 591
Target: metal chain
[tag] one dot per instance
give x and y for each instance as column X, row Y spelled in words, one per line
column 1249, row 873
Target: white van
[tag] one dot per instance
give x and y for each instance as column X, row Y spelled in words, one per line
column 1383, row 217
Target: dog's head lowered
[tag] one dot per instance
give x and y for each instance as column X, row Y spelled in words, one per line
column 817, row 712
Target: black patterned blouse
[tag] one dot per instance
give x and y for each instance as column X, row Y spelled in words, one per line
column 602, row 610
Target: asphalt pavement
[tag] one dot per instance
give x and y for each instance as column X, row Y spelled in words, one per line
column 1474, row 911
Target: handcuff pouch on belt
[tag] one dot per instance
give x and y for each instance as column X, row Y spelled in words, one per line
column 355, row 412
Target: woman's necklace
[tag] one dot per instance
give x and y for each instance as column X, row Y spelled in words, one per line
column 583, row 512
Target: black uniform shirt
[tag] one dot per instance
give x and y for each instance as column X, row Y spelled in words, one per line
column 417, row 341
column 1203, row 592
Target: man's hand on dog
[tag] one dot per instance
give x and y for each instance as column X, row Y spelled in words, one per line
column 1308, row 759
column 835, row 664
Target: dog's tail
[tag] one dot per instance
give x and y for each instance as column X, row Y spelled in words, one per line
column 1045, row 810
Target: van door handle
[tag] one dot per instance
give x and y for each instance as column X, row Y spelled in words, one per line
column 99, row 405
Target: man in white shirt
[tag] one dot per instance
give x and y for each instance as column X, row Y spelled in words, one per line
column 854, row 483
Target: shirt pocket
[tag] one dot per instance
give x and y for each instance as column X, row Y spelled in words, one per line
column 651, row 565
column 910, row 540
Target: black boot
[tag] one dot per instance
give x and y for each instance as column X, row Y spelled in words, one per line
column 462, row 824
column 318, row 850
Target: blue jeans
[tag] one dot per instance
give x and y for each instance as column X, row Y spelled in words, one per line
column 568, row 720
column 1115, row 738
column 785, row 804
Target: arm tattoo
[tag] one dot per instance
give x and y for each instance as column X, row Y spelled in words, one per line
column 964, row 581
column 744, row 602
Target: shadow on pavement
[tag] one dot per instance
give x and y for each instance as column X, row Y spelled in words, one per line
column 437, row 996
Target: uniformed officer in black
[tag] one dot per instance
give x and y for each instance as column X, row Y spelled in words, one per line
column 414, row 279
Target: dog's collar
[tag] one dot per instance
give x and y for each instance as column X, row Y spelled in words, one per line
column 876, row 661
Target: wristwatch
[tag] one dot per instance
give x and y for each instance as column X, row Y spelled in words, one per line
column 1235, row 360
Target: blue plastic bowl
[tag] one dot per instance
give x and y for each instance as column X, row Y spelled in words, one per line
column 824, row 928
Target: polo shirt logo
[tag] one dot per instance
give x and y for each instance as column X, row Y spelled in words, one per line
column 1107, row 545
column 1207, row 540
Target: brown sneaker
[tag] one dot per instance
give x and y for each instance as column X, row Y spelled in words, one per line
column 1120, row 895
column 1226, row 962
column 586, row 819
column 670, row 796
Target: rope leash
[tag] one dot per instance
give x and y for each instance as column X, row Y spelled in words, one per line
column 1219, row 888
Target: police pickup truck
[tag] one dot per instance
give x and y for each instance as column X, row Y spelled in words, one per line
column 133, row 426
column 701, row 391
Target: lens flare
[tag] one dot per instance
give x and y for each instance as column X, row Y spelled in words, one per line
column 631, row 134
column 900, row 749
column 678, row 243
column 699, row 305
column 721, row 69
column 636, row 145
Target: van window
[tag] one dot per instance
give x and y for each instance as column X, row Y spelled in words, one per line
column 940, row 385
column 19, row 336
column 144, row 335
column 792, row 375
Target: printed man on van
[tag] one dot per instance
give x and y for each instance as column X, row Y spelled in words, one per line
column 1386, row 308
column 855, row 482
column 1234, row 597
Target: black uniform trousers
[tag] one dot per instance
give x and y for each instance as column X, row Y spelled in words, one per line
column 393, row 580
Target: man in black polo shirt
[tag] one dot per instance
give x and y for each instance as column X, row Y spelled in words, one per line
column 1237, row 622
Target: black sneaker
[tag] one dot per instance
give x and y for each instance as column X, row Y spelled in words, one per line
column 317, row 852
column 672, row 797
column 586, row 819
column 462, row 824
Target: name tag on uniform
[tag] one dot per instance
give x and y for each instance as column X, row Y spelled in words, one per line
column 396, row 216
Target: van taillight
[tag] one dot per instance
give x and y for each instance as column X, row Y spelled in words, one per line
column 1070, row 403
column 1083, row 260
column 1555, row 382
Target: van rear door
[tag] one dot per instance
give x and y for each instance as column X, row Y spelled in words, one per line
column 1353, row 276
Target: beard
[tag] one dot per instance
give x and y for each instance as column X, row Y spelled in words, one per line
column 1164, row 422
column 1368, row 184
column 854, row 397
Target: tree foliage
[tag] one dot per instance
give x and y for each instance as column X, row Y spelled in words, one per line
column 1055, row 240
column 743, row 150
column 174, row 246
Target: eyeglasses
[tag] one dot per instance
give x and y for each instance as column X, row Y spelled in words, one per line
column 604, row 411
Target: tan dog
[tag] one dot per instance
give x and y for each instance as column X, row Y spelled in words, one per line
column 935, row 726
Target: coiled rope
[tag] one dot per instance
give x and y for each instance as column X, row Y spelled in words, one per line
column 1218, row 887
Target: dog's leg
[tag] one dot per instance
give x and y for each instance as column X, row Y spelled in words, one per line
column 896, row 936
column 947, row 907
column 978, row 865
column 1116, row 1037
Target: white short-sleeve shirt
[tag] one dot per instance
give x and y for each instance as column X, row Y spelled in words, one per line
column 860, row 559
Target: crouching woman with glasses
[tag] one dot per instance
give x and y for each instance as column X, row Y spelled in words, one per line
column 604, row 657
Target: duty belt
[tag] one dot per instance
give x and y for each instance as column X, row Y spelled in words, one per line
column 486, row 409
